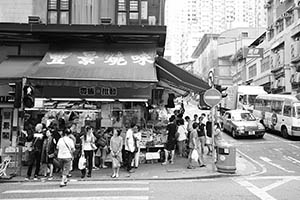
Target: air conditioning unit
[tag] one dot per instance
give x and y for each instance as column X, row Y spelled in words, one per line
column 34, row 20
column 105, row 20
column 267, row 5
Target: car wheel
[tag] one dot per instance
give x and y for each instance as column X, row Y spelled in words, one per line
column 284, row 132
column 234, row 135
column 260, row 136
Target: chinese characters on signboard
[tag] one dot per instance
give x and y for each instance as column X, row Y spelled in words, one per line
column 103, row 91
column 90, row 58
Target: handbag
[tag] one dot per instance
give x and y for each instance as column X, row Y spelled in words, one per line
column 82, row 162
column 195, row 155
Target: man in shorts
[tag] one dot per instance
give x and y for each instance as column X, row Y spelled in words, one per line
column 171, row 140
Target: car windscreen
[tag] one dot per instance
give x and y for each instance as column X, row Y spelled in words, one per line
column 244, row 117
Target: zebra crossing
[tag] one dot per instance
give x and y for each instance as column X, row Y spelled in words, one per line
column 79, row 190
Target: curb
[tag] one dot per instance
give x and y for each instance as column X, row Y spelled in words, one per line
column 211, row 176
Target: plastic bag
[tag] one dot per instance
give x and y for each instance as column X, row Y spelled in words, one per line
column 195, row 155
column 81, row 162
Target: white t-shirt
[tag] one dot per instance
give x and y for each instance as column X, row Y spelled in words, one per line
column 182, row 133
column 62, row 146
column 129, row 141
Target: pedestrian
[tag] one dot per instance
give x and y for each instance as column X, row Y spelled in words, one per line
column 182, row 137
column 129, row 147
column 116, row 145
column 65, row 146
column 87, row 149
column 48, row 154
column 192, row 145
column 218, row 138
column 209, row 135
column 35, row 150
column 73, row 138
column 201, row 141
column 103, row 143
column 137, row 135
column 195, row 120
column 171, row 140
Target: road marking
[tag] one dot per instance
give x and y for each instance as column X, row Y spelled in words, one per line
column 89, row 198
column 264, row 169
column 292, row 159
column 76, row 190
column 276, row 184
column 255, row 190
column 76, row 182
column 294, row 146
column 272, row 178
column 269, row 161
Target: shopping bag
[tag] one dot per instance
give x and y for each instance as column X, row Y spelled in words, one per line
column 81, row 162
column 195, row 155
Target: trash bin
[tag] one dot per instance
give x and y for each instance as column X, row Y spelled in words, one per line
column 226, row 158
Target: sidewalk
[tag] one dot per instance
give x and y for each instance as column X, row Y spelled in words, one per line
column 155, row 171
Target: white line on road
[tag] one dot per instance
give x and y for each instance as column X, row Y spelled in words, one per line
column 273, row 178
column 89, row 198
column 294, row 146
column 267, row 160
column 276, row 184
column 76, row 182
column 75, row 190
column 255, row 190
column 264, row 170
column 293, row 159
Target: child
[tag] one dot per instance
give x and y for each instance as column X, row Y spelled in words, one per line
column 116, row 144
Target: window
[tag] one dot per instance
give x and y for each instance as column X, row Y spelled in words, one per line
column 287, row 110
column 279, row 26
column 244, row 34
column 88, row 12
column 277, row 106
column 59, row 12
column 122, row 13
column 265, row 65
column 252, row 71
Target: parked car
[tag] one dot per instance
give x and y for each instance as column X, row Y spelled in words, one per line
column 242, row 123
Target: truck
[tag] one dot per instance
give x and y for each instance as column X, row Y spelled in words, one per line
column 241, row 97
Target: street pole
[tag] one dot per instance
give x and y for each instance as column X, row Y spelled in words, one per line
column 20, row 129
column 213, row 138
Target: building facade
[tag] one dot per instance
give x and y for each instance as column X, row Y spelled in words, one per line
column 278, row 69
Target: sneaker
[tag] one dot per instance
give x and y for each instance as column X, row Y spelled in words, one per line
column 95, row 168
column 35, row 178
column 191, row 167
column 50, row 178
column 27, row 179
column 117, row 176
column 164, row 163
column 131, row 171
column 113, row 176
column 172, row 162
column 89, row 176
column 69, row 175
column 104, row 166
column 202, row 165
column 62, row 185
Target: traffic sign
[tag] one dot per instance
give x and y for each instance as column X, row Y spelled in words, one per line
column 212, row 97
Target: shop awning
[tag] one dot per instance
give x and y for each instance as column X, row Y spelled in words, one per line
column 170, row 73
column 17, row 67
column 113, row 65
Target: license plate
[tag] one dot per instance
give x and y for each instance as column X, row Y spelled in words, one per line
column 251, row 132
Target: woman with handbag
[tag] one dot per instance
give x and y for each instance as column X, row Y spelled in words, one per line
column 65, row 147
column 88, row 147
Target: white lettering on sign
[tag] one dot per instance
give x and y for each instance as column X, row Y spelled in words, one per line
column 142, row 59
column 87, row 58
column 115, row 59
column 57, row 58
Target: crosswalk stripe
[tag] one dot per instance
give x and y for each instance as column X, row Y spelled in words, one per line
column 76, row 190
column 76, row 182
column 89, row 198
